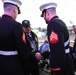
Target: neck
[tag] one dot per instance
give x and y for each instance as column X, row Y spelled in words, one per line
column 9, row 14
column 53, row 16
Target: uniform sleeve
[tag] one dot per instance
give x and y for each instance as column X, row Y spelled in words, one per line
column 19, row 37
column 56, row 41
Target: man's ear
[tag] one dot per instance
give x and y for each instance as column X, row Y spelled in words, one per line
column 14, row 9
column 48, row 12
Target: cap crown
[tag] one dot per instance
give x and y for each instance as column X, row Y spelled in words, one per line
column 48, row 5
column 15, row 2
column 25, row 23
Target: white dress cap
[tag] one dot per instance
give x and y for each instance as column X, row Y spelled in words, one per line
column 48, row 5
column 15, row 2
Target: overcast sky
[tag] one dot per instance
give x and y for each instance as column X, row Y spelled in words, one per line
column 66, row 10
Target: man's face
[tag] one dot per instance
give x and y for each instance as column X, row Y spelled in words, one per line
column 27, row 29
column 45, row 16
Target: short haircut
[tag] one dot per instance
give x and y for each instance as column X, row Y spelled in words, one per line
column 53, row 10
column 7, row 6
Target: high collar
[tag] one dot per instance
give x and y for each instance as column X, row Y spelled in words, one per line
column 7, row 16
column 54, row 17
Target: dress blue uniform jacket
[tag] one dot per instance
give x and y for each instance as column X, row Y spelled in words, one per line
column 58, row 36
column 11, row 34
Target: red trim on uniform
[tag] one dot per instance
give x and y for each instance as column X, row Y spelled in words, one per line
column 55, row 69
column 23, row 37
column 54, row 37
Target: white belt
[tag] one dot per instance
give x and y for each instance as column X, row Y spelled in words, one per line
column 8, row 53
column 67, row 42
column 67, row 50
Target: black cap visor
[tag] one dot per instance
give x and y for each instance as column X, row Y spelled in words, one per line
column 43, row 12
column 25, row 26
column 18, row 10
